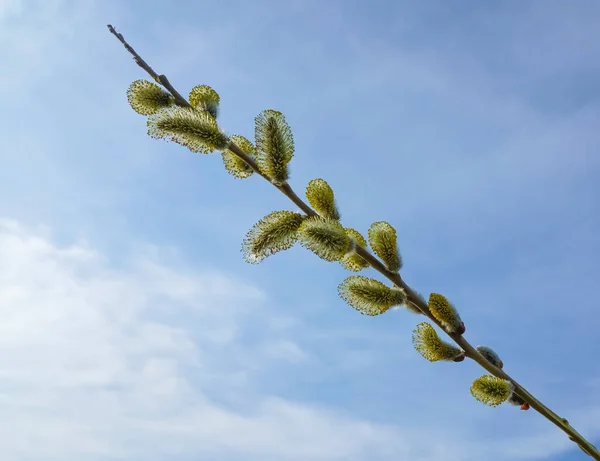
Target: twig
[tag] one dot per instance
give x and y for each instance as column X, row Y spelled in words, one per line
column 395, row 278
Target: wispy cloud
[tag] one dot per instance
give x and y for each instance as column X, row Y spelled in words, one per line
column 99, row 361
column 86, row 363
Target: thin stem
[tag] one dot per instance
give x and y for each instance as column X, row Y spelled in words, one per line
column 394, row 277
column 162, row 79
column 289, row 192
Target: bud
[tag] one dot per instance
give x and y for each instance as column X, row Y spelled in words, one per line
column 491, row 390
column 147, row 98
column 351, row 260
column 196, row 130
column 382, row 237
column 325, row 237
column 203, row 97
column 275, row 145
column 320, row 195
column 445, row 313
column 275, row 232
column 514, row 399
column 369, row 296
column 430, row 346
column 234, row 165
column 490, row 355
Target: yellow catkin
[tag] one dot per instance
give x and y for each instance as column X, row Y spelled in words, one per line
column 147, row 98
column 234, row 165
column 325, row 237
column 194, row 129
column 351, row 260
column 490, row 390
column 274, row 144
column 430, row 346
column 320, row 195
column 203, row 97
column 275, row 232
column 445, row 313
column 370, row 296
column 382, row 238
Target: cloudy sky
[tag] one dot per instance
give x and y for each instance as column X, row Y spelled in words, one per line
column 131, row 328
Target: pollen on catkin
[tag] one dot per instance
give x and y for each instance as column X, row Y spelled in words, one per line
column 325, row 237
column 275, row 232
column 320, row 195
column 234, row 165
column 445, row 313
column 274, row 144
column 203, row 97
column 352, row 261
column 147, row 98
column 491, row 390
column 431, row 347
column 370, row 296
column 382, row 238
column 194, row 129
column 490, row 355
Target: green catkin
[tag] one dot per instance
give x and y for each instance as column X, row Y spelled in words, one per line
column 431, row 347
column 320, row 195
column 445, row 313
column 234, row 165
column 382, row 238
column 325, row 237
column 370, row 296
column 274, row 144
column 147, row 98
column 203, row 97
column 491, row 390
column 352, row 261
column 275, row 232
column 194, row 129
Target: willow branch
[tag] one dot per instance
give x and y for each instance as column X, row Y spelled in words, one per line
column 394, row 277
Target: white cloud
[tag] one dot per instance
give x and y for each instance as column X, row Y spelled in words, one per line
column 99, row 361
column 285, row 350
column 87, row 371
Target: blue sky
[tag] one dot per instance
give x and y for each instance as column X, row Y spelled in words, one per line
column 132, row 328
